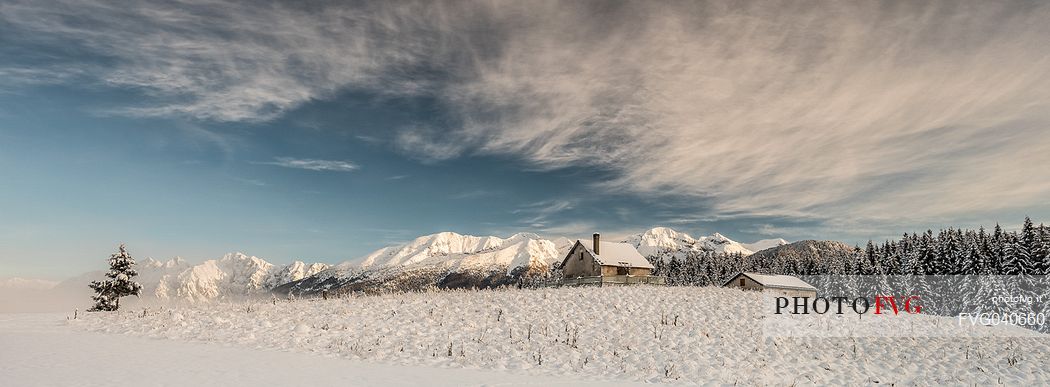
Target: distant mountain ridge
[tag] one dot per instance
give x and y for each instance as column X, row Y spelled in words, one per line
column 765, row 244
column 444, row 259
column 465, row 251
column 449, row 259
column 664, row 243
column 232, row 276
column 18, row 283
column 807, row 249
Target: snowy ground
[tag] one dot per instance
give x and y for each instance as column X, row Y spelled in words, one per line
column 638, row 334
column 43, row 350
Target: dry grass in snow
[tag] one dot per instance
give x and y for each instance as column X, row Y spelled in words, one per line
column 655, row 334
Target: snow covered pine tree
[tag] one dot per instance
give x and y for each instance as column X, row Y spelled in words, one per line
column 121, row 271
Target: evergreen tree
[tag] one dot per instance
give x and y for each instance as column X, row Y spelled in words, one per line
column 871, row 258
column 674, row 271
column 119, row 284
column 928, row 257
column 1043, row 254
column 998, row 250
column 1010, row 265
column 1028, row 245
column 984, row 253
column 954, row 253
column 970, row 264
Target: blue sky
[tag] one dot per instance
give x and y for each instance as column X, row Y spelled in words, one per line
column 322, row 131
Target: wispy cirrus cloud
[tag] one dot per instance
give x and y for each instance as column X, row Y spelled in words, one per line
column 475, row 194
column 312, row 164
column 861, row 110
column 427, row 146
column 255, row 182
column 224, row 60
column 782, row 110
column 18, row 76
column 537, row 214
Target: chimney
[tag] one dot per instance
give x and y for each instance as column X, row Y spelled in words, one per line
column 597, row 241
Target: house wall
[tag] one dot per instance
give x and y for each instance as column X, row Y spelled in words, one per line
column 641, row 271
column 580, row 264
column 615, row 270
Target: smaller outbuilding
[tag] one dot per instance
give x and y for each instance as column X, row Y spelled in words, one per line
column 781, row 285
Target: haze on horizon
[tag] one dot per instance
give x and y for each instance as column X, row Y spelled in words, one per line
column 321, row 131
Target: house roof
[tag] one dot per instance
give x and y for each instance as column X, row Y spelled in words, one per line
column 615, row 254
column 775, row 281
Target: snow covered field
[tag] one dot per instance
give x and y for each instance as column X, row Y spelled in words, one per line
column 637, row 334
column 42, row 350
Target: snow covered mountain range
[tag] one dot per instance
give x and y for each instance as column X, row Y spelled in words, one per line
column 445, row 259
column 664, row 242
column 234, row 275
column 448, row 259
column 466, row 252
column 16, row 283
column 457, row 251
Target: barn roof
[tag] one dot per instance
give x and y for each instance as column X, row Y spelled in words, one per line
column 775, row 281
column 616, row 254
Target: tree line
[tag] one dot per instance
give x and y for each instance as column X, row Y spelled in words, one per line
column 947, row 252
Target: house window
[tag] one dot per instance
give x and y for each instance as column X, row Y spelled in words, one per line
column 741, row 282
column 581, row 255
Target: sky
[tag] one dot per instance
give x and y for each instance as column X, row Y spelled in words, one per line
column 321, row 131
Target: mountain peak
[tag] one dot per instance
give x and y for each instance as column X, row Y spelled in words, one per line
column 171, row 263
column 236, row 255
column 666, row 242
column 427, row 247
column 660, row 230
column 233, row 275
column 17, row 283
column 765, row 244
column 524, row 235
column 660, row 237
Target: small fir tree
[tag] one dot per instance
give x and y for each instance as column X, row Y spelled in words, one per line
column 119, row 283
column 1028, row 246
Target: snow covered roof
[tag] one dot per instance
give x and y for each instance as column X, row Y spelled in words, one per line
column 774, row 281
column 617, row 254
